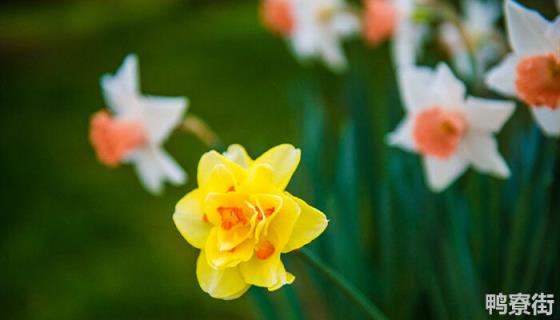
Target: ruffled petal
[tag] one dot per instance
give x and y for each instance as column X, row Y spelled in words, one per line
column 487, row 115
column 221, row 259
column 238, row 154
column 262, row 273
column 526, row 30
column 226, row 284
column 282, row 225
column 208, row 163
column 283, row 160
column 441, row 173
column 310, row 224
column 189, row 219
column 482, row 151
column 502, row 77
column 548, row 120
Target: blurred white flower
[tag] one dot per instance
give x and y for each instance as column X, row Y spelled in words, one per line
column 319, row 26
column 384, row 19
column 449, row 130
column 532, row 71
column 481, row 34
column 137, row 128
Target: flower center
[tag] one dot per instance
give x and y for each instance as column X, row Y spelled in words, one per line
column 380, row 20
column 277, row 16
column 438, row 132
column 538, row 80
column 231, row 216
column 267, row 213
column 112, row 139
column 264, row 250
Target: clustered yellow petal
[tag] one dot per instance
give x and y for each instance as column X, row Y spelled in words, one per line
column 242, row 220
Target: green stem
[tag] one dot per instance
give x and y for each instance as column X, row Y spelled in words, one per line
column 344, row 285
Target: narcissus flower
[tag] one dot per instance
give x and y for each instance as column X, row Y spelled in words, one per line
column 315, row 28
column 532, row 71
column 385, row 19
column 136, row 127
column 449, row 131
column 480, row 33
column 242, row 220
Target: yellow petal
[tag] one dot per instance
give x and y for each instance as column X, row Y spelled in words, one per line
column 260, row 179
column 226, row 284
column 283, row 225
column 221, row 259
column 214, row 201
column 208, row 163
column 237, row 154
column 221, row 179
column 284, row 160
column 189, row 219
column 283, row 278
column 269, row 273
column 267, row 206
column 310, row 224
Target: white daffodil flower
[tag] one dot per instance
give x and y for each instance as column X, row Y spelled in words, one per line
column 137, row 127
column 319, row 26
column 479, row 27
column 450, row 130
column 532, row 72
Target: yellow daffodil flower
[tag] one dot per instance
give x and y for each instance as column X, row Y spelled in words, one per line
column 242, row 220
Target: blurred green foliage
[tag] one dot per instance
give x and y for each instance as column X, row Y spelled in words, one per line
column 80, row 241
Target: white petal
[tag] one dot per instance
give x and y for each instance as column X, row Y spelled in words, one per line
column 441, row 173
column 121, row 91
column 502, row 77
column 161, row 115
column 172, row 171
column 548, row 120
column 333, row 56
column 460, row 55
column 414, row 83
column 526, row 30
column 482, row 151
column 148, row 169
column 344, row 24
column 407, row 41
column 447, row 90
column 487, row 115
column 402, row 136
column 154, row 166
column 553, row 33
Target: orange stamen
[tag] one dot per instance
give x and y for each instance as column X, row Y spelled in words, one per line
column 264, row 250
column 205, row 218
column 231, row 216
column 380, row 20
column 112, row 139
column 538, row 80
column 437, row 132
column 277, row 16
column 231, row 189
